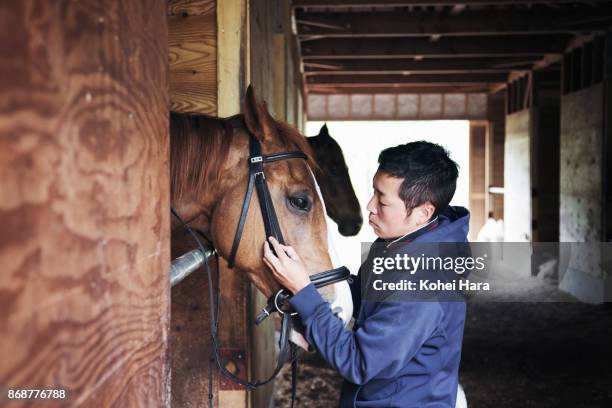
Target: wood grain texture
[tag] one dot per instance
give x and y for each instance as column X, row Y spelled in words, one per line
column 84, row 242
column 261, row 19
column 192, row 48
column 191, row 7
column 232, row 57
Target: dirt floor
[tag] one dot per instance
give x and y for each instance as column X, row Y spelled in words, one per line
column 547, row 354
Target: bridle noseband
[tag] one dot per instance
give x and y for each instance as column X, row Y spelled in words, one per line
column 278, row 301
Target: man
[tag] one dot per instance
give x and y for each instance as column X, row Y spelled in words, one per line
column 399, row 353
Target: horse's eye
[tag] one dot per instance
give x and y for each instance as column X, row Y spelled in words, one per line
column 300, row 203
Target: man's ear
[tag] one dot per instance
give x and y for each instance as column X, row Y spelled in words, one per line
column 425, row 212
column 257, row 119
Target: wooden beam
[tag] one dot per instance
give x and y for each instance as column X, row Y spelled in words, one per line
column 476, row 23
column 408, row 79
column 433, row 65
column 498, row 46
column 404, row 3
column 400, row 88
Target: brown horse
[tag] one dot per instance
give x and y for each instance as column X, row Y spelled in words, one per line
column 208, row 183
column 333, row 178
column 209, row 179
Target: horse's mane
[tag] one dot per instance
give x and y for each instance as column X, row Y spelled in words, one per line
column 199, row 143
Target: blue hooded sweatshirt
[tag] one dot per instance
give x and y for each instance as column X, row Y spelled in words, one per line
column 399, row 353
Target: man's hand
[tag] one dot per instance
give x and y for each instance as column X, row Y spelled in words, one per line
column 287, row 267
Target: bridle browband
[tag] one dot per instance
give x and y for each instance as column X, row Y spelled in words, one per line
column 278, row 302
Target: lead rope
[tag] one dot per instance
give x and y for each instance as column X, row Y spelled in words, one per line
column 211, row 360
column 214, row 313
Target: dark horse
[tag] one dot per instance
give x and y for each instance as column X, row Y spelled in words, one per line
column 339, row 196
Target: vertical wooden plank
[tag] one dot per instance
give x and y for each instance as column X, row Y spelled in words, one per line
column 192, row 43
column 267, row 77
column 84, row 242
column 234, row 75
column 232, row 55
column 488, row 153
column 279, row 76
column 497, row 126
column 517, row 177
column 477, row 177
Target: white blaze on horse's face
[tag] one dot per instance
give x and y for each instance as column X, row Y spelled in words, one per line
column 341, row 302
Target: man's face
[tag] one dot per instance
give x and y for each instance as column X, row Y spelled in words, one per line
column 388, row 215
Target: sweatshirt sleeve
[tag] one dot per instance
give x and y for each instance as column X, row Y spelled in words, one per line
column 380, row 347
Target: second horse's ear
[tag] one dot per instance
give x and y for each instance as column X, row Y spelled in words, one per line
column 257, row 119
column 324, row 131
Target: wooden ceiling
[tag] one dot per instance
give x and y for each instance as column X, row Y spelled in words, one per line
column 419, row 46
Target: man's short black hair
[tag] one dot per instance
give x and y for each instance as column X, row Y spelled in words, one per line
column 429, row 173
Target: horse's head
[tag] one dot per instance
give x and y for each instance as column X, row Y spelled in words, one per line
column 340, row 200
column 293, row 192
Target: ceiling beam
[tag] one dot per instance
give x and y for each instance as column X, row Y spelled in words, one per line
column 474, row 23
column 405, row 88
column 403, row 3
column 451, row 47
column 432, row 65
column 449, row 79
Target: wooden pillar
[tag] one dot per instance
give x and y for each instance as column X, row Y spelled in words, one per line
column 84, row 241
column 234, row 75
column 495, row 154
column 267, row 78
column 478, row 133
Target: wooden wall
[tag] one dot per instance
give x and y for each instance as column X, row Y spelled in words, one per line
column 84, row 200
column 192, row 48
column 263, row 17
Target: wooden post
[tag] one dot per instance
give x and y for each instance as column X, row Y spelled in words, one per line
column 84, row 241
column 233, row 76
column 478, row 132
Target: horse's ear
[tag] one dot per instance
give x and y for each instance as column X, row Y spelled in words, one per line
column 324, row 131
column 256, row 117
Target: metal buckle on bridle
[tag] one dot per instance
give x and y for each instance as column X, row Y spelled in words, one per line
column 258, row 159
column 278, row 307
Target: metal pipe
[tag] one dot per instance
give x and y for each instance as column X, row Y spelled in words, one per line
column 185, row 264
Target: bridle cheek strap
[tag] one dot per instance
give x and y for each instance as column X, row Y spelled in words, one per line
column 257, row 178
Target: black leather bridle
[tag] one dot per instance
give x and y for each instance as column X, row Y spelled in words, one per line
column 278, row 301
